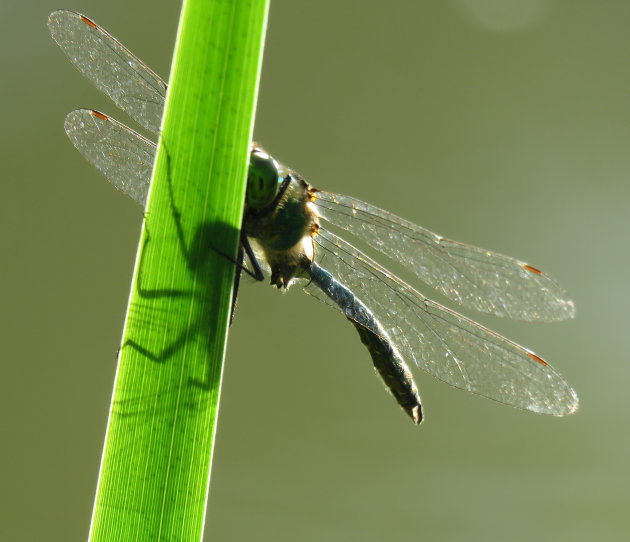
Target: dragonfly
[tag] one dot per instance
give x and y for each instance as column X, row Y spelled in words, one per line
column 285, row 231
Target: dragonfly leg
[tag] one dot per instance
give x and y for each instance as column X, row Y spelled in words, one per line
column 237, row 281
column 245, row 249
column 239, row 267
column 257, row 274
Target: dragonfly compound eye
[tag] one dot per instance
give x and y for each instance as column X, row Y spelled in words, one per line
column 262, row 180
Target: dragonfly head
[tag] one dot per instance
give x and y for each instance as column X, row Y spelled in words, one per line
column 263, row 179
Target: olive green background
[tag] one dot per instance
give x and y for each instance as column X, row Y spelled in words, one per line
column 503, row 123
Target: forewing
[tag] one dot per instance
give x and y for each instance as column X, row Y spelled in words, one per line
column 473, row 277
column 444, row 343
column 111, row 67
column 119, row 153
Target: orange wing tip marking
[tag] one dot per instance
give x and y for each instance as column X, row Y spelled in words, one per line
column 100, row 115
column 537, row 358
column 88, row 21
column 532, row 269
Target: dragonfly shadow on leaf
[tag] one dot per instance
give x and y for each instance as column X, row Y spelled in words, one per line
column 206, row 249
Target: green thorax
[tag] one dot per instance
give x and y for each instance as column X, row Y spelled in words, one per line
column 283, row 224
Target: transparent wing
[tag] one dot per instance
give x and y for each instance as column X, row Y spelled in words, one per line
column 473, row 277
column 111, row 67
column 444, row 343
column 119, row 153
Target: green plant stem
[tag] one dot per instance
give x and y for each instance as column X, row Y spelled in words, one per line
column 155, row 471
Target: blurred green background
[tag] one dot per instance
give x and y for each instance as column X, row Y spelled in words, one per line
column 502, row 123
